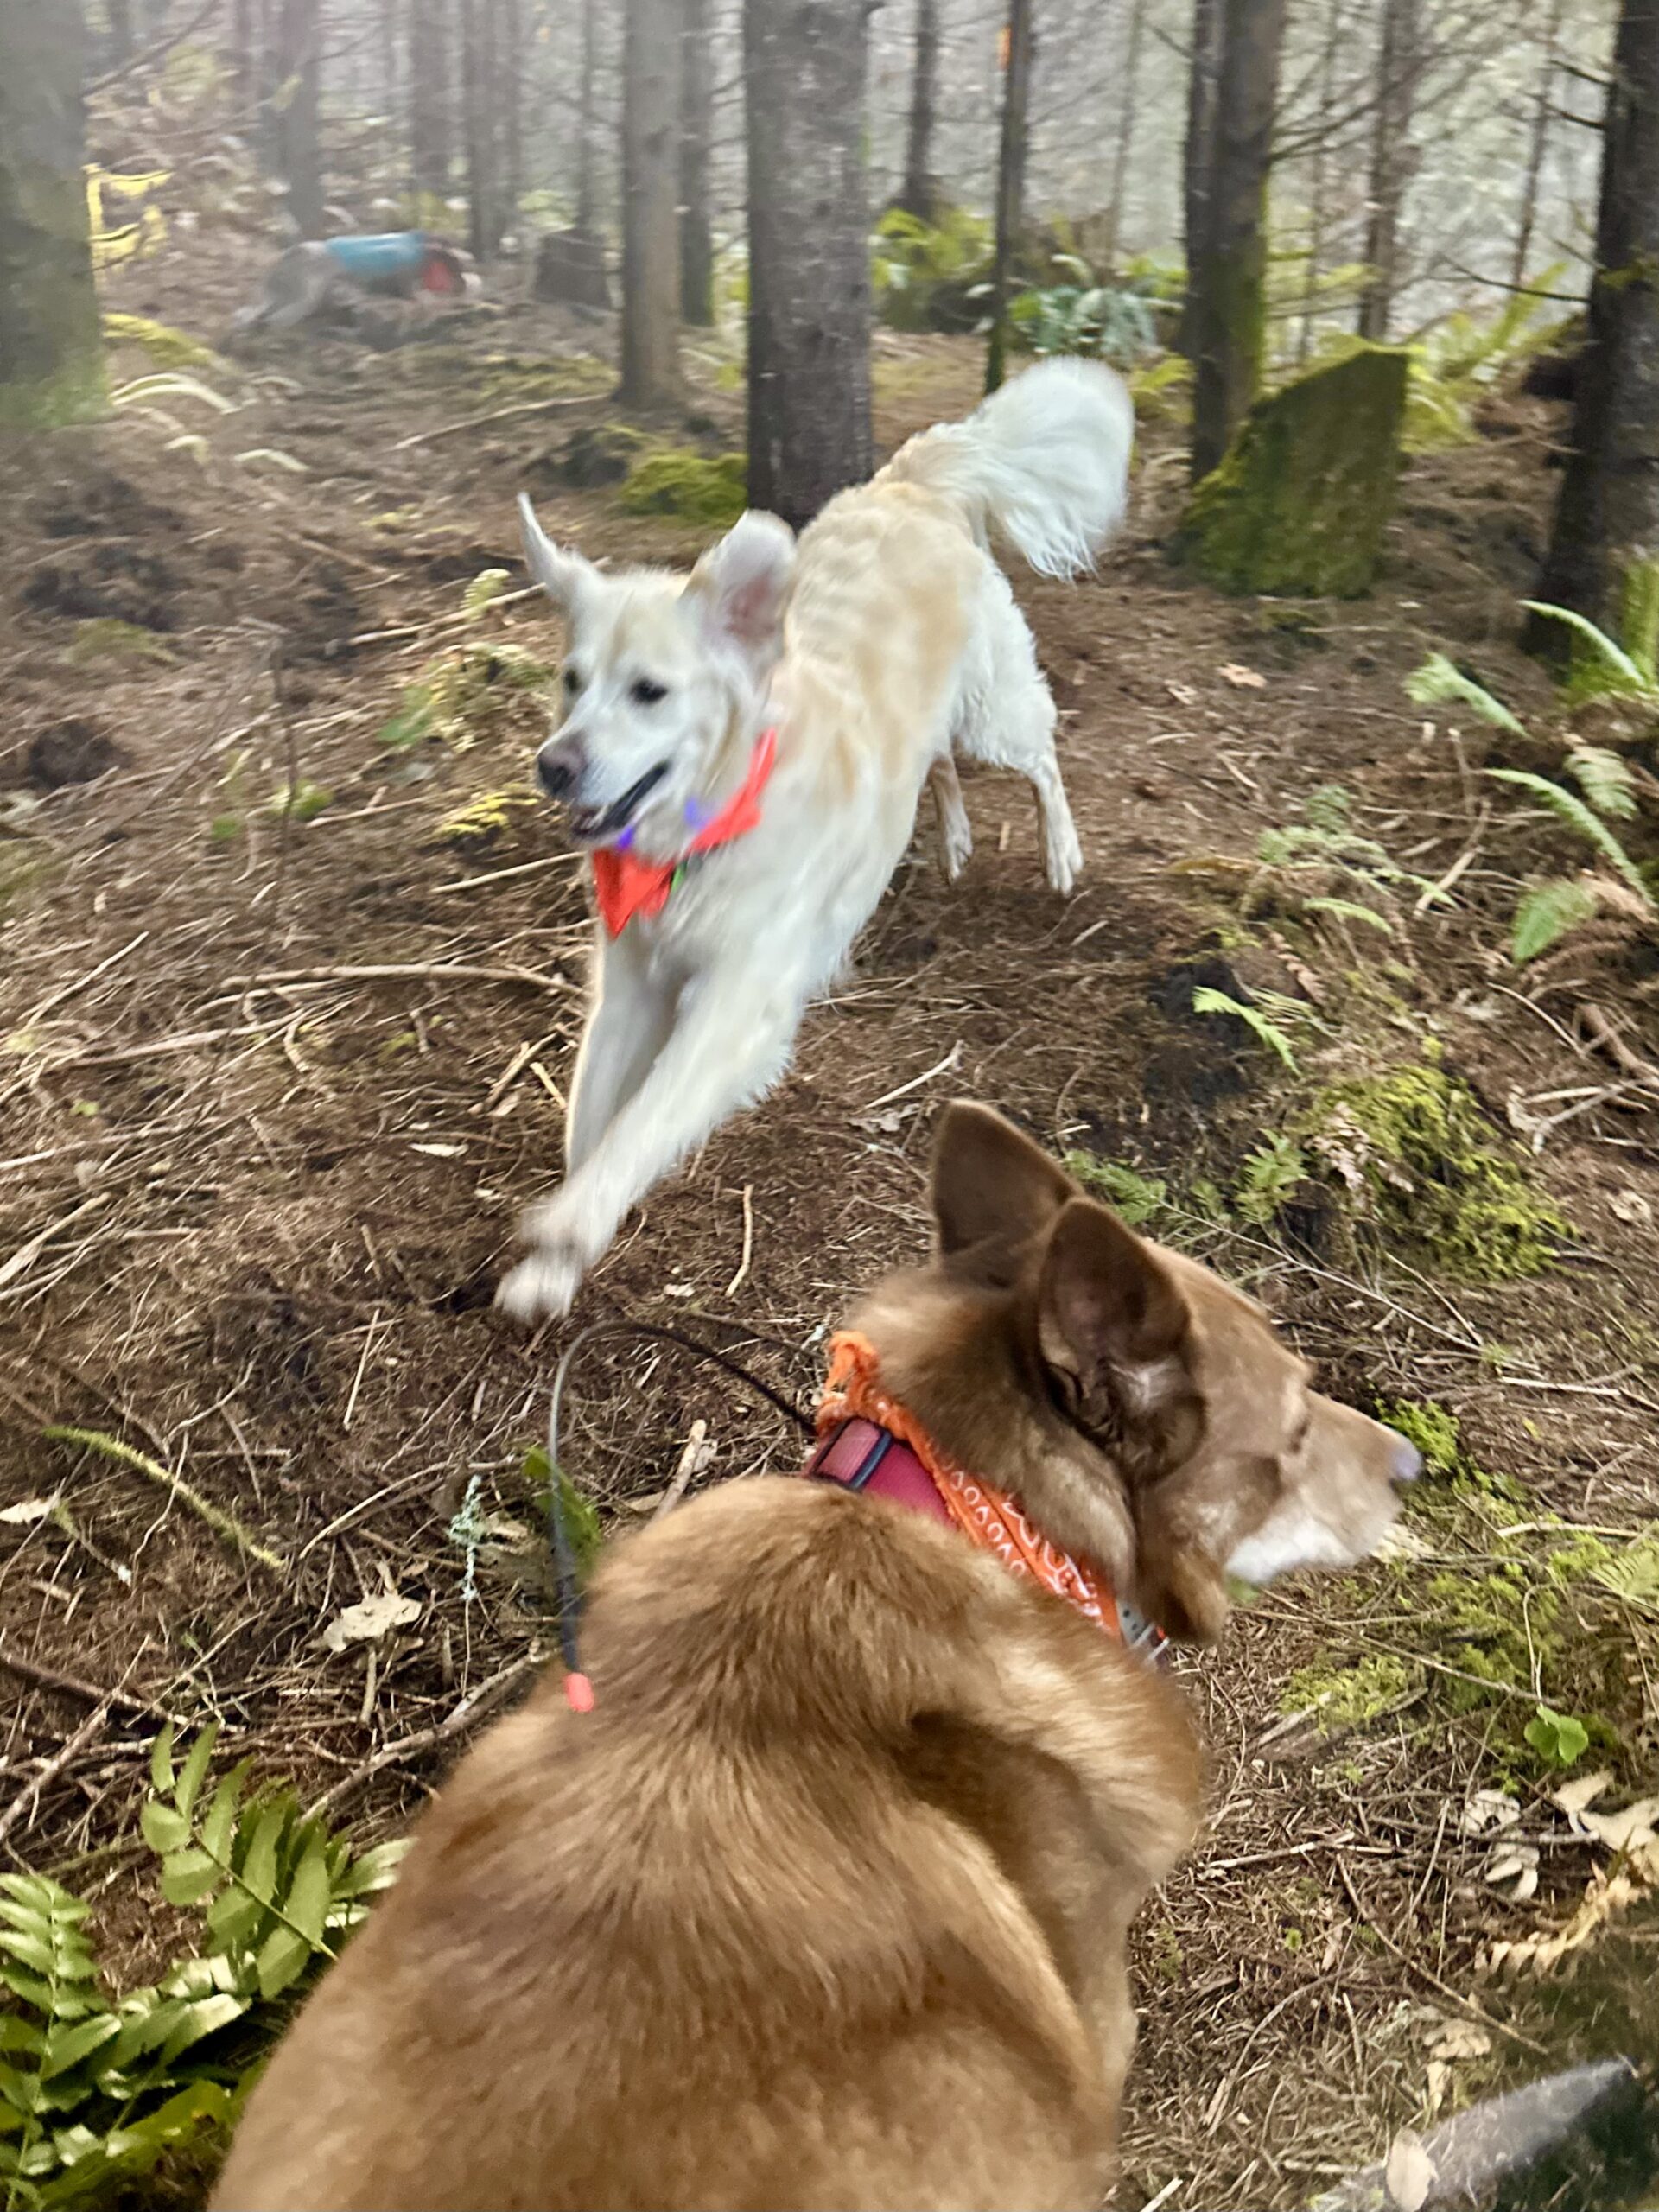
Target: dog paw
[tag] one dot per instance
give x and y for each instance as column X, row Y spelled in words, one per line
column 1063, row 862
column 955, row 853
column 542, row 1288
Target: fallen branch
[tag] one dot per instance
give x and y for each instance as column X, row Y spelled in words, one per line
column 91, row 1727
column 483, row 1699
column 223, row 1524
column 49, row 1678
column 501, row 415
column 742, row 1275
column 695, row 1456
column 396, row 971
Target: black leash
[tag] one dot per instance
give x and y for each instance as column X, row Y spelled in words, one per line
column 578, row 1690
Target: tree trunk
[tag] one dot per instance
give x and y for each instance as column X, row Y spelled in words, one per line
column 1393, row 160
column 1538, row 142
column 588, row 122
column 809, row 258
column 1320, row 183
column 391, row 54
column 1018, row 42
column 919, row 195
column 1127, row 110
column 650, row 242
column 1198, row 155
column 696, row 132
column 240, row 53
column 118, row 45
column 298, row 143
column 1226, row 285
column 51, row 346
column 1607, row 516
column 480, row 94
column 430, row 66
column 509, row 105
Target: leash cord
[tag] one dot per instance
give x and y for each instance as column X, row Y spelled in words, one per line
column 578, row 1689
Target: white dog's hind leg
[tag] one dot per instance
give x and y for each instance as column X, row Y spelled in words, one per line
column 1004, row 717
column 955, row 836
column 632, row 1013
column 729, row 1044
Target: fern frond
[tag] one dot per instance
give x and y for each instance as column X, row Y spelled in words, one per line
column 1603, row 669
column 1206, row 1000
column 1569, row 808
column 1545, row 914
column 1439, row 679
column 1605, row 778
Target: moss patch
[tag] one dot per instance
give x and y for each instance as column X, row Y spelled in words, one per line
column 1300, row 502
column 689, row 487
column 167, row 348
column 1343, row 1697
column 1428, row 1170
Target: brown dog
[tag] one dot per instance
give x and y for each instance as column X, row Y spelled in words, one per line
column 824, row 1904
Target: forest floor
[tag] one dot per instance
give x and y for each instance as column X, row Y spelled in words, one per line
column 275, row 1087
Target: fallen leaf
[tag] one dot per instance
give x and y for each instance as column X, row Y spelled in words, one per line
column 1488, row 1811
column 1182, row 694
column 1462, row 2039
column 1244, row 679
column 1630, row 1830
column 367, row 1622
column 31, row 1510
column 1631, row 1207
column 1513, row 1868
column 1409, row 2173
column 440, row 1151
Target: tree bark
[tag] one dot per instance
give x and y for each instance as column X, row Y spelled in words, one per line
column 1393, row 160
column 1019, row 42
column 1227, row 284
column 1127, row 110
column 696, row 134
column 430, row 67
column 1537, row 144
column 588, row 122
column 298, row 140
column 118, row 45
column 51, row 345
column 1198, row 157
column 650, row 245
column 240, row 55
column 1606, row 521
column 809, row 258
column 919, row 195
column 508, row 104
column 481, row 94
column 1319, row 186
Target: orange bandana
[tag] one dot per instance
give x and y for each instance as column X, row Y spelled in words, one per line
column 987, row 1517
column 624, row 885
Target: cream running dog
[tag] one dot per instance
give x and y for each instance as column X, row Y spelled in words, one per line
column 744, row 751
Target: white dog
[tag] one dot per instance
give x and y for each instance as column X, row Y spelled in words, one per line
column 743, row 750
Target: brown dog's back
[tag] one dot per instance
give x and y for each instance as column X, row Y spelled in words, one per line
column 823, row 1905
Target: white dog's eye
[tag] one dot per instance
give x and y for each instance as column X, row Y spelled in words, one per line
column 644, row 693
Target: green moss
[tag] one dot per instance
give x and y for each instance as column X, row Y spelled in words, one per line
column 484, row 816
column 688, row 485
column 1430, row 1173
column 1343, row 1697
column 106, row 637
column 1431, row 1428
column 1300, row 502
column 167, row 348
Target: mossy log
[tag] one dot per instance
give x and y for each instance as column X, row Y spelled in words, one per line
column 1300, row 504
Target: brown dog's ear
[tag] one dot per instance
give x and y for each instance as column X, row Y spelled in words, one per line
column 991, row 1185
column 1113, row 1327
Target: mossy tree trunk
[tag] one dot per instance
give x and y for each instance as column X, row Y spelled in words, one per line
column 1018, row 45
column 696, row 136
column 919, row 194
column 1606, row 526
column 297, row 128
column 650, row 184
column 805, row 63
column 1393, row 159
column 1228, row 280
column 51, row 348
column 430, row 66
column 1127, row 110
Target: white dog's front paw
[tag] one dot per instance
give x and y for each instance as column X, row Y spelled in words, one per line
column 542, row 1286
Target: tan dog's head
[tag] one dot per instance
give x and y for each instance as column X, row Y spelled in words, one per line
column 1145, row 1413
column 664, row 681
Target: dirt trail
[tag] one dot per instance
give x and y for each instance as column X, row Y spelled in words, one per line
column 274, row 1089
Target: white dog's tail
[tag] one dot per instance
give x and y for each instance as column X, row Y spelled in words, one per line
column 1045, row 462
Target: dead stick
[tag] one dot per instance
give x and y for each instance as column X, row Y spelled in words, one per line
column 693, row 1459
column 1454, row 1996
column 501, row 415
column 30, row 1792
column 48, row 1678
column 393, row 970
column 472, row 1708
column 224, row 1524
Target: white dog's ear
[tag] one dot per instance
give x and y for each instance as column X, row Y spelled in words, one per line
column 739, row 586
column 561, row 575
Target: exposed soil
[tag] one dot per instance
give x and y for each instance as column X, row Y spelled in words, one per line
column 275, row 1087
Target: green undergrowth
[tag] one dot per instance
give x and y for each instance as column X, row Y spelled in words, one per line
column 464, row 691
column 98, row 2089
column 1520, row 1624
column 167, row 348
column 689, row 486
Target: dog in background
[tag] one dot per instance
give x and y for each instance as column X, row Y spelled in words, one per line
column 743, row 752
column 824, row 1902
column 321, row 275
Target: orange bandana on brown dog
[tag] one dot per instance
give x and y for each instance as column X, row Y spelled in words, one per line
column 987, row 1517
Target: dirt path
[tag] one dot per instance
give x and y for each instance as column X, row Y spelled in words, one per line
column 274, row 1089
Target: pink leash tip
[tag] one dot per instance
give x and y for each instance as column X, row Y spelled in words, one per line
column 579, row 1693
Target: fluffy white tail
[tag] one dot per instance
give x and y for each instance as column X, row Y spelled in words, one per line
column 1045, row 462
